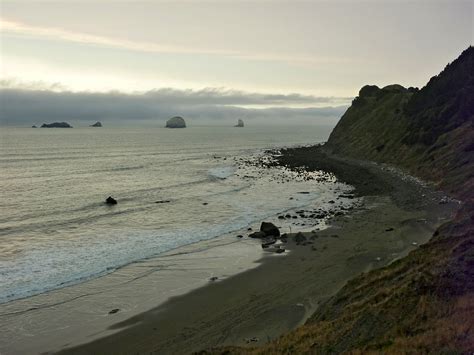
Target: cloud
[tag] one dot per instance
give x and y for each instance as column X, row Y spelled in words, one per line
column 18, row 28
column 26, row 107
column 53, row 33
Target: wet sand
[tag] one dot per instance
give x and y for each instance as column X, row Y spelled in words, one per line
column 397, row 215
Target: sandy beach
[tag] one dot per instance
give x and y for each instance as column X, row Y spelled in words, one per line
column 398, row 214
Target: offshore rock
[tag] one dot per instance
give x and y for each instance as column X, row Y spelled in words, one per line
column 56, row 125
column 176, row 122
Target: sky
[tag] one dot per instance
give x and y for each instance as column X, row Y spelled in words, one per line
column 229, row 58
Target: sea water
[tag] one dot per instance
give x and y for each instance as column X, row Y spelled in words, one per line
column 174, row 187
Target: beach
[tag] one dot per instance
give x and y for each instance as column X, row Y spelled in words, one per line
column 397, row 215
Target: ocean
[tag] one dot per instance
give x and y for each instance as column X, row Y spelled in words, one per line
column 173, row 186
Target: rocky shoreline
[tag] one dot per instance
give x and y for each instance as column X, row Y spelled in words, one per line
column 251, row 308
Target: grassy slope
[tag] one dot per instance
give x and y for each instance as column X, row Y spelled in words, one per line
column 428, row 132
column 423, row 303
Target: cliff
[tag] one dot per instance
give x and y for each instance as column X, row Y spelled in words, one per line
column 428, row 132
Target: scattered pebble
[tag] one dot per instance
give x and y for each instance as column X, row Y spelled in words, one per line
column 115, row 310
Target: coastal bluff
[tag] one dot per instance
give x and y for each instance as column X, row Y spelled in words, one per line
column 428, row 132
column 422, row 303
column 176, row 122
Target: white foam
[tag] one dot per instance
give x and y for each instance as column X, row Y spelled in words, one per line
column 222, row 172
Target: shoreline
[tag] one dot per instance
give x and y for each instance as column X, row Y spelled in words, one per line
column 237, row 161
column 260, row 304
column 79, row 313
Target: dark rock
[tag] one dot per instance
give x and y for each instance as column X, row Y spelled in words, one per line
column 288, row 216
column 240, row 123
column 281, row 217
column 300, row 238
column 240, row 236
column 279, row 250
column 97, row 124
column 332, row 201
column 258, row 235
column 269, row 229
column 34, row 126
column 115, row 310
column 205, row 203
column 213, row 278
column 56, row 125
column 267, row 242
column 111, row 201
column 389, row 229
column 163, row 201
column 249, row 228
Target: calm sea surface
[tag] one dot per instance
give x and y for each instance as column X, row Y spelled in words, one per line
column 55, row 229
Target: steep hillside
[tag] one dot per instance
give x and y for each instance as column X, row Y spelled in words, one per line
column 429, row 132
column 423, row 303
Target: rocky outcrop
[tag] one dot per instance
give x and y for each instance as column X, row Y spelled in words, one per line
column 176, row 122
column 97, row 124
column 56, row 125
column 240, row 123
column 269, row 229
column 110, row 201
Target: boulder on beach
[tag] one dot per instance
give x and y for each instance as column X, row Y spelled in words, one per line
column 269, row 229
column 34, row 126
column 97, row 124
column 240, row 123
column 257, row 235
column 176, row 122
column 56, row 125
column 111, row 201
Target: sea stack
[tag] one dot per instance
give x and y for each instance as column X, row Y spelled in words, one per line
column 56, row 125
column 176, row 122
column 97, row 124
column 240, row 123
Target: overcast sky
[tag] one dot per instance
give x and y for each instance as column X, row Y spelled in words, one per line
column 242, row 54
